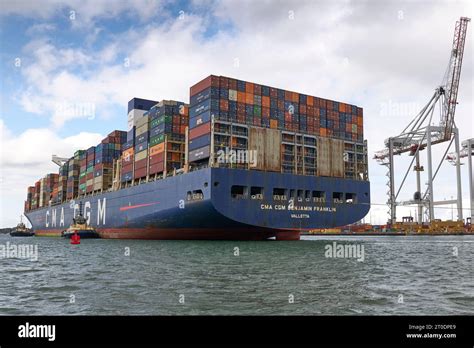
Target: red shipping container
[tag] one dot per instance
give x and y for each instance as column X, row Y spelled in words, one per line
column 233, row 84
column 200, row 130
column 223, row 82
column 257, row 89
column 224, row 104
column 156, row 158
column 141, row 164
column 140, row 173
column 127, row 168
column 156, row 168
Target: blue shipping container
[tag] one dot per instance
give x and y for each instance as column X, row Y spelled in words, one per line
column 198, row 120
column 142, row 146
column 199, row 142
column 209, row 104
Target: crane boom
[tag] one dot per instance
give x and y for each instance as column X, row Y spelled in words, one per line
column 415, row 133
column 453, row 75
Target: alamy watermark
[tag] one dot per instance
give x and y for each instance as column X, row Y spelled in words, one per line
column 85, row 109
column 20, row 251
column 345, row 251
column 392, row 108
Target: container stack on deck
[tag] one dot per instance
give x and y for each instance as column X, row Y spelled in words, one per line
column 168, row 122
column 82, row 172
column 73, row 175
column 62, row 182
column 47, row 190
column 156, row 144
column 127, row 157
column 141, row 147
column 106, row 152
column 90, row 159
column 29, row 198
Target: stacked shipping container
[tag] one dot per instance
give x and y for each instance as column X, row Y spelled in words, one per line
column 90, row 160
column 45, row 190
column 106, row 152
column 73, row 175
column 29, row 198
column 62, row 183
column 253, row 104
column 232, row 103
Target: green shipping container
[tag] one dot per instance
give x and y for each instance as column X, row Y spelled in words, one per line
column 157, row 139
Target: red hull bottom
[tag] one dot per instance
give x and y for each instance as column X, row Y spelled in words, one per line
column 185, row 234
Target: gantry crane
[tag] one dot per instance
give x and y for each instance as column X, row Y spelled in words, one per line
column 467, row 151
column 420, row 134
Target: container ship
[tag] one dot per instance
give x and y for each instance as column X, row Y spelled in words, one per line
column 240, row 161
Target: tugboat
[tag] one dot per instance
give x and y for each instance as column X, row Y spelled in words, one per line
column 21, row 230
column 79, row 227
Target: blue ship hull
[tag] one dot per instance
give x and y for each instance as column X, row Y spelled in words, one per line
column 200, row 205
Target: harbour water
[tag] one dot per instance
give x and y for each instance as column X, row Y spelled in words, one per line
column 414, row 275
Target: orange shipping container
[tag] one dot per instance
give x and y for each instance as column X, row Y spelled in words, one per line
column 273, row 124
column 224, row 104
column 127, row 153
column 157, row 149
column 295, row 97
column 249, row 87
column 265, row 101
column 323, row 132
column 241, row 97
column 184, row 110
column 309, row 100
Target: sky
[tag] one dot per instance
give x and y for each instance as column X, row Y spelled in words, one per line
column 68, row 69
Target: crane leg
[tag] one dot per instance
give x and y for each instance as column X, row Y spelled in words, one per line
column 458, row 174
column 430, row 173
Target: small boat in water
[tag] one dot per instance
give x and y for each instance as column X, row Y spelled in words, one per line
column 21, row 230
column 80, row 228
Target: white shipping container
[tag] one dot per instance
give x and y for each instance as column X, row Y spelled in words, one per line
column 232, row 94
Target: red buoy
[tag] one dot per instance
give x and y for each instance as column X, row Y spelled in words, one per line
column 75, row 239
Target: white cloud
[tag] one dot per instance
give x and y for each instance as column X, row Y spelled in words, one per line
column 26, row 157
column 82, row 13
